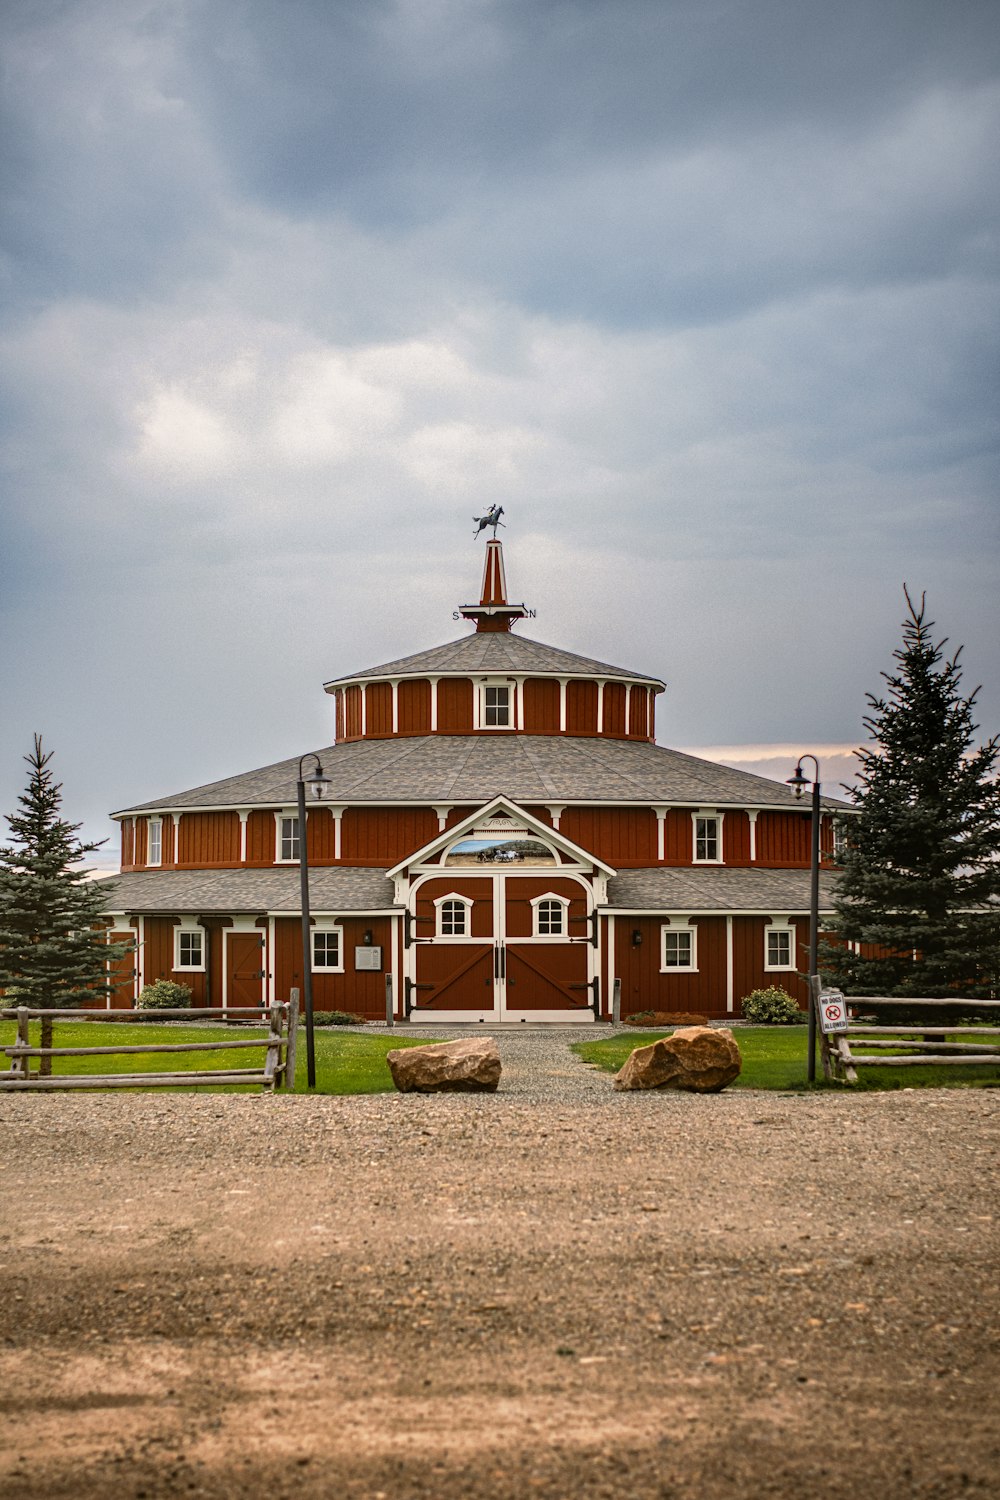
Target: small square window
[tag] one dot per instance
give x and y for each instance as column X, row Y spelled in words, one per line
column 453, row 919
column 190, row 949
column 155, row 851
column 496, row 706
column 677, row 950
column 326, row 948
column 779, row 952
column 288, row 838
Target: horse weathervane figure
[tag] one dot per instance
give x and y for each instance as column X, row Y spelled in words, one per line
column 491, row 518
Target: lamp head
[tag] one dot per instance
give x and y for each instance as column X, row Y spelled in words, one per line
column 317, row 785
column 798, row 782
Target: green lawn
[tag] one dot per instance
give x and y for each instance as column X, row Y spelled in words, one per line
column 774, row 1057
column 347, row 1062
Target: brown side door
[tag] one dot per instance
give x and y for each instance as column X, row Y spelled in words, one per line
column 245, row 979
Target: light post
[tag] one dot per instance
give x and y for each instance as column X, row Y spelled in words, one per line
column 318, row 785
column 798, row 783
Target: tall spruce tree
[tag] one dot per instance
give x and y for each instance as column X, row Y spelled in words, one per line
column 920, row 875
column 53, row 952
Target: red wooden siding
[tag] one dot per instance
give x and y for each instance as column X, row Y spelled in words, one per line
column 362, row 994
column 748, row 960
column 645, row 988
column 480, row 891
column 378, row 711
column 455, row 705
column 321, row 835
column 384, row 835
column 637, row 713
column 541, row 706
column 678, row 838
column 522, row 890
column 158, row 959
column 623, row 836
column 352, row 713
column 122, row 973
column 736, row 837
column 141, row 841
column 614, row 709
column 261, row 838
column 783, row 839
column 414, row 707
column 210, row 838
column 581, row 708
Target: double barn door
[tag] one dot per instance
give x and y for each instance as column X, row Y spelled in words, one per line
column 502, row 967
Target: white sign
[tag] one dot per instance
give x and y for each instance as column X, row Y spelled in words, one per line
column 368, row 958
column 832, row 1012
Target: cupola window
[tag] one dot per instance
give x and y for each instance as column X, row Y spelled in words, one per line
column 707, row 838
column 496, row 706
column 155, row 851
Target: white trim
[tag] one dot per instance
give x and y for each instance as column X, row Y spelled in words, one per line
column 707, row 814
column 150, row 861
column 364, row 709
column 752, row 815
column 661, row 835
column 519, row 701
column 730, row 966
column 535, row 903
column 269, row 985
column 467, row 902
column 177, row 837
column 555, row 811
column 507, row 805
column 780, row 928
column 243, row 814
column 436, row 674
column 123, row 815
column 337, row 810
column 441, row 811
column 628, row 710
column 680, row 926
column 434, row 702
column 563, row 681
column 600, row 705
column 321, row 925
column 485, row 685
column 612, row 961
column 140, row 955
column 394, row 684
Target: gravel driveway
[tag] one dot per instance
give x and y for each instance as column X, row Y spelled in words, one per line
column 554, row 1291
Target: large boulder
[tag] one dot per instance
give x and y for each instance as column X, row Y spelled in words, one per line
column 700, row 1059
column 466, row 1066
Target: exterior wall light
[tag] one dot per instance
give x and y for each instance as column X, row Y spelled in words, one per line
column 636, row 937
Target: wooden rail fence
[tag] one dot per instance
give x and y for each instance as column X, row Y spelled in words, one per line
column 913, row 1045
column 277, row 1067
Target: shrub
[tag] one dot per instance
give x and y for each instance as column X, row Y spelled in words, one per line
column 336, row 1018
column 164, row 994
column 771, row 1007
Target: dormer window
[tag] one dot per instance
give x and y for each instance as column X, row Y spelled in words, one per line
column 496, row 706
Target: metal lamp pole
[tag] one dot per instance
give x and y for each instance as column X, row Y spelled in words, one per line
column 318, row 785
column 798, row 783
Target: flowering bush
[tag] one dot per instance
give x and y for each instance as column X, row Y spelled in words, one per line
column 336, row 1018
column 164, row 994
column 771, row 1007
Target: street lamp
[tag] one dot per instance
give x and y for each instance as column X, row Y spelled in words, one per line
column 318, row 785
column 798, row 783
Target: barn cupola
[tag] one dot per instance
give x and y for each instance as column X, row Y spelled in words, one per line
column 493, row 614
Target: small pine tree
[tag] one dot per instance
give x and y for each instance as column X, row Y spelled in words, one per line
column 920, row 875
column 53, row 953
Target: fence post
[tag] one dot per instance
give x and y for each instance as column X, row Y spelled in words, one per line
column 45, row 1040
column 616, row 1002
column 291, row 1045
column 22, row 1064
column 389, row 1020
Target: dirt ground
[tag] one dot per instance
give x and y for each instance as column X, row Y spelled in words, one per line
column 656, row 1295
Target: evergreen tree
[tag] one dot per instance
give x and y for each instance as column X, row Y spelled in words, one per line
column 920, row 875
column 52, row 949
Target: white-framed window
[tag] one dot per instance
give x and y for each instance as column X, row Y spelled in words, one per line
column 154, row 853
column 288, row 837
column 707, row 838
column 679, row 950
column 550, row 916
column 328, row 950
column 454, row 916
column 496, row 705
column 779, row 947
column 189, row 948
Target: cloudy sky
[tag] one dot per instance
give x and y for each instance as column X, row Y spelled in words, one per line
column 704, row 292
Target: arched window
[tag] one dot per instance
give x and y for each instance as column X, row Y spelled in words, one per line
column 550, row 914
column 454, row 916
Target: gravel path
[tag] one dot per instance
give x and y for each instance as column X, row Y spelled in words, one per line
column 555, row 1290
column 537, row 1062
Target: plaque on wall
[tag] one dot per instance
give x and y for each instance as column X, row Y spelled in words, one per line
column 368, row 958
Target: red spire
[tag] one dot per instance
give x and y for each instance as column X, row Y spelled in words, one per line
column 493, row 613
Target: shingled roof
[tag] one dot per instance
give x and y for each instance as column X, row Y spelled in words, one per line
column 500, row 652
column 474, row 768
column 340, row 890
column 691, row 890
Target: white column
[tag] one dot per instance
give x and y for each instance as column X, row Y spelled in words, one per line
column 395, row 968
column 177, row 835
column 441, row 813
column 140, row 956
column 337, row 814
column 243, row 814
column 395, row 705
column 661, row 841
column 730, row 996
column 611, row 961
column 434, row 705
column 752, row 815
column 600, row 706
column 519, row 688
column 364, row 709
column 555, row 811
column 628, row 707
column 562, row 704
column 269, row 964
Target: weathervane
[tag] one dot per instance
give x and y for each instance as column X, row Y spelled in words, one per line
column 491, row 518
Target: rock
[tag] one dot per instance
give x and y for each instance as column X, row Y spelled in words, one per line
column 466, row 1066
column 645, row 1018
column 699, row 1059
